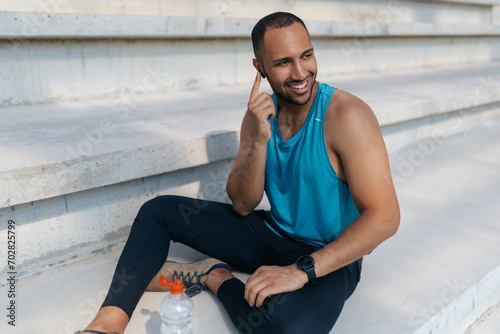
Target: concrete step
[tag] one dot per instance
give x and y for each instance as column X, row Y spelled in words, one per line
column 78, row 172
column 57, row 57
column 439, row 274
column 445, row 11
column 40, row 25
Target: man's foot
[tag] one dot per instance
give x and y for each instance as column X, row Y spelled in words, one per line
column 193, row 275
column 109, row 319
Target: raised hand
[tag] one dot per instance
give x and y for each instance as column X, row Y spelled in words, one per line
column 261, row 109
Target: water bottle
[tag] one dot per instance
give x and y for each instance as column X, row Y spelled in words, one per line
column 176, row 309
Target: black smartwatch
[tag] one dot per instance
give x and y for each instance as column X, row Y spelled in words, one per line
column 306, row 263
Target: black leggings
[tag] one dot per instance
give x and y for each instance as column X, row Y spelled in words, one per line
column 245, row 243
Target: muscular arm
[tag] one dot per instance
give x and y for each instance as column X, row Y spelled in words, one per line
column 245, row 184
column 356, row 139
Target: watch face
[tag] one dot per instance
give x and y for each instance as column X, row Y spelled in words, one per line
column 306, row 262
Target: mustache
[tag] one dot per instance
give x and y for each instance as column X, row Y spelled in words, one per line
column 294, row 82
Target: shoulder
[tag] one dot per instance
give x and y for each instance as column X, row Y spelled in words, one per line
column 348, row 116
column 345, row 106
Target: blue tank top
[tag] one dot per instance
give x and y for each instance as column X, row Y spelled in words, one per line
column 308, row 200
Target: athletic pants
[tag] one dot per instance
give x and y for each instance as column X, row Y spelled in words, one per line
column 245, row 243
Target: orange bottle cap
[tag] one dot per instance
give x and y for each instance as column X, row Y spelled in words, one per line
column 176, row 288
column 164, row 282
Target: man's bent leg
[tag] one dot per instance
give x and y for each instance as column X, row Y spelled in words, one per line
column 209, row 227
column 312, row 309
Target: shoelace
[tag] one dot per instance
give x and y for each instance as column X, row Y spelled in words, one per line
column 192, row 287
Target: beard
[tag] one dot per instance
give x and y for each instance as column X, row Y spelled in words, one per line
column 289, row 98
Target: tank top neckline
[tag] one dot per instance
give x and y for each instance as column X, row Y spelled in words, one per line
column 296, row 136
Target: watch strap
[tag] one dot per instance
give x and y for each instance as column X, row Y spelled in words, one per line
column 311, row 275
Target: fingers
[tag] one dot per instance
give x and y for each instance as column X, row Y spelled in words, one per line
column 255, row 289
column 261, row 296
column 266, row 102
column 273, row 112
column 263, row 106
column 248, row 286
column 260, row 286
column 271, row 280
column 255, row 89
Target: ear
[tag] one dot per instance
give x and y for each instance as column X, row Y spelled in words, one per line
column 259, row 67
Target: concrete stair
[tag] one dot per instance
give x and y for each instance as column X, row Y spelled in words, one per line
column 437, row 275
column 107, row 104
column 85, row 53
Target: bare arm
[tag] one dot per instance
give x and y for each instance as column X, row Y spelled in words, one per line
column 358, row 143
column 245, row 184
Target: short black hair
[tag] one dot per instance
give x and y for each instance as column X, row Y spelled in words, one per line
column 276, row 21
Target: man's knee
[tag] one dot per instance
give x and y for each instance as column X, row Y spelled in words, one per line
column 155, row 210
column 161, row 209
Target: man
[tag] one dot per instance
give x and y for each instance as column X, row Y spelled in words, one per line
column 319, row 155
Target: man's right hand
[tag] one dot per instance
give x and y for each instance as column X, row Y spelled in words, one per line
column 261, row 109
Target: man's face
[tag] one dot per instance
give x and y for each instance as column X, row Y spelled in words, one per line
column 289, row 64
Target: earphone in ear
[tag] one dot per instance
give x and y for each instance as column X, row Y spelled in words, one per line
column 262, row 75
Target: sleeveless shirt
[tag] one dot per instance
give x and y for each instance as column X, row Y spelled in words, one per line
column 308, row 200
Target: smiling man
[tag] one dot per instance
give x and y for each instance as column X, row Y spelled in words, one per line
column 318, row 154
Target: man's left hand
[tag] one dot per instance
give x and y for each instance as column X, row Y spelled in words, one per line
column 271, row 280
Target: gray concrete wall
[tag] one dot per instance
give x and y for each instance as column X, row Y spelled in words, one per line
column 38, row 71
column 60, row 230
column 456, row 11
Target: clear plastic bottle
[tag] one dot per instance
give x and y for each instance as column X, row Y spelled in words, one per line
column 176, row 309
